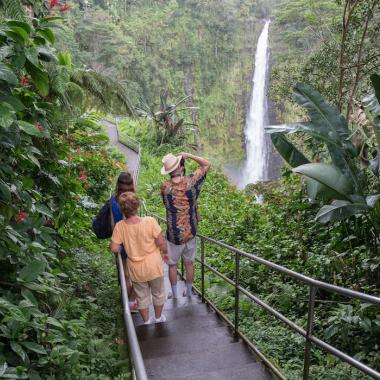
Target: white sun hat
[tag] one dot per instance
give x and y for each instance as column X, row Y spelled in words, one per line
column 171, row 163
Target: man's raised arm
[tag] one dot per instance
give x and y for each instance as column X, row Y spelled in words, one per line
column 199, row 160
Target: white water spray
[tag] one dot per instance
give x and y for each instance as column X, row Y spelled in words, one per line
column 257, row 146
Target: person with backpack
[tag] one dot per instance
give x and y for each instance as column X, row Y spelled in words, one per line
column 147, row 249
column 106, row 220
column 124, row 184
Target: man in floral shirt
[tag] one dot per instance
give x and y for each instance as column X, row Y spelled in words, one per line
column 180, row 194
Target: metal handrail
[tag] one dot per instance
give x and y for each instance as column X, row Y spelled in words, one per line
column 134, row 347
column 313, row 286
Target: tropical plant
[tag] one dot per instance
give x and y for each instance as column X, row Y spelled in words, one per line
column 166, row 119
column 50, row 172
column 340, row 179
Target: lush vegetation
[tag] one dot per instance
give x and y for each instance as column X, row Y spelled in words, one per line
column 199, row 49
column 181, row 72
column 55, row 167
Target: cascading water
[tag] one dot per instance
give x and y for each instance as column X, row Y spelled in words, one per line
column 258, row 148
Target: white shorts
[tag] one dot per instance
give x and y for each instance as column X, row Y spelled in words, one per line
column 188, row 251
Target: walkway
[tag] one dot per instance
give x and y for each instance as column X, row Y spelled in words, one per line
column 132, row 159
column 194, row 343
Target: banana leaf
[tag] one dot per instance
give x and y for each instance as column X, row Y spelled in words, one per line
column 288, row 151
column 326, row 119
column 320, row 134
column 340, row 210
column 323, row 115
column 329, row 176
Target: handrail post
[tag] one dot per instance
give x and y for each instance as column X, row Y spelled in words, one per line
column 237, row 278
column 309, row 332
column 203, row 269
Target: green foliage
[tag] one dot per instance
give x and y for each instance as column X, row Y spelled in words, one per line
column 199, row 50
column 49, row 264
column 169, row 127
column 340, row 179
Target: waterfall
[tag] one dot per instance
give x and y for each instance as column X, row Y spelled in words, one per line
column 258, row 148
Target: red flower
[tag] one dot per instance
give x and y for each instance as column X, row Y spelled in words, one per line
column 48, row 222
column 24, row 81
column 21, row 216
column 82, row 178
column 87, row 186
column 88, row 153
column 65, row 8
column 54, row 3
column 39, row 127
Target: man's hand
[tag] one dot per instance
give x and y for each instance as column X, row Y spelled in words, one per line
column 165, row 258
column 184, row 155
column 199, row 160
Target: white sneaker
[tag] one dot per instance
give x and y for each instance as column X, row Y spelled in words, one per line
column 161, row 319
column 150, row 321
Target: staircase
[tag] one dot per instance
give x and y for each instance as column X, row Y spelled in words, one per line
column 194, row 344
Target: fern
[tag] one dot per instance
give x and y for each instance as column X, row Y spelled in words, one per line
column 13, row 9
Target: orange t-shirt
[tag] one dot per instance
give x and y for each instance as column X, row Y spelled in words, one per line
column 144, row 261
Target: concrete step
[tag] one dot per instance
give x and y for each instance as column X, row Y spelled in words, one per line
column 185, row 343
column 213, row 357
column 253, row 371
column 187, row 326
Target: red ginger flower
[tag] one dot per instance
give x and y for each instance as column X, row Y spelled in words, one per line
column 39, row 126
column 48, row 222
column 54, row 3
column 21, row 216
column 82, row 178
column 65, row 8
column 87, row 186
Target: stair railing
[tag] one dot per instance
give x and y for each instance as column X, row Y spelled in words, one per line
column 313, row 284
column 133, row 343
column 137, row 361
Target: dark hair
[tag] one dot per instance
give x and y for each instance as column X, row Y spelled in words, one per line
column 124, row 184
column 129, row 204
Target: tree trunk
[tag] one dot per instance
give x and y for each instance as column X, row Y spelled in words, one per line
column 189, row 91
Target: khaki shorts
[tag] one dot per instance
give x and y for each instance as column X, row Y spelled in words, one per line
column 188, row 251
column 146, row 291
